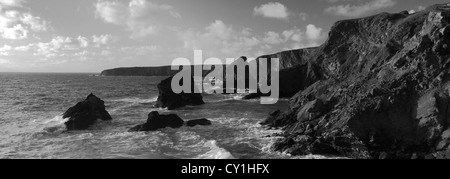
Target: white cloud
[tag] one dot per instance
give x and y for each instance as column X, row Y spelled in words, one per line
column 223, row 41
column 272, row 10
column 273, row 38
column 111, row 11
column 419, row 8
column 16, row 25
column 102, row 39
column 4, row 51
column 349, row 10
column 52, row 48
column 136, row 15
column 313, row 32
column 84, row 42
column 11, row 3
column 17, row 32
column 23, row 48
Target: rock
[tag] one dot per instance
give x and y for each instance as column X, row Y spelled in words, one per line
column 86, row 113
column 277, row 119
column 198, row 122
column 156, row 121
column 296, row 72
column 388, row 78
column 168, row 99
column 311, row 110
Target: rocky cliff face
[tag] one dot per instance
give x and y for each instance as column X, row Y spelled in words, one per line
column 383, row 90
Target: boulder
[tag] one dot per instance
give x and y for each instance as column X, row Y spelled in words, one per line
column 86, row 113
column 168, row 99
column 156, row 121
column 198, row 122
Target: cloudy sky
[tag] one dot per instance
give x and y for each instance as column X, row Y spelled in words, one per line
column 93, row 35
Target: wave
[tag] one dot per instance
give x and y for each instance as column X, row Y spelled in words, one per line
column 215, row 152
column 136, row 100
column 55, row 125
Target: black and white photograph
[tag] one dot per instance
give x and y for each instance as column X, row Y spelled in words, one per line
column 248, row 80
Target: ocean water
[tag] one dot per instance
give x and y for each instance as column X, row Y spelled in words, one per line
column 31, row 125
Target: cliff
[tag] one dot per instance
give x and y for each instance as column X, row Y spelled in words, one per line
column 382, row 91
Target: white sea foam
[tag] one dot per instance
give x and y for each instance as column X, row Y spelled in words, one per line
column 136, row 100
column 215, row 152
column 55, row 125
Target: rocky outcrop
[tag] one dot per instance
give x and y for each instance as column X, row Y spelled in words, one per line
column 156, row 121
column 170, row 100
column 384, row 90
column 296, row 71
column 86, row 113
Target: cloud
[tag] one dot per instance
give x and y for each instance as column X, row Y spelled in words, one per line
column 4, row 51
column 419, row 8
column 135, row 15
column 113, row 12
column 102, row 39
column 84, row 42
column 16, row 25
column 313, row 32
column 17, row 32
column 11, row 3
column 223, row 41
column 349, row 10
column 272, row 10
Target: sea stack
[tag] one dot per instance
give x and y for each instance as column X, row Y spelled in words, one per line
column 385, row 90
column 86, row 113
column 168, row 99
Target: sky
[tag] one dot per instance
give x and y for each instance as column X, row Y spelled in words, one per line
column 93, row 35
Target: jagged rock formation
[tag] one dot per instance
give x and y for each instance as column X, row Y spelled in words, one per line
column 168, row 99
column 296, row 73
column 156, row 121
column 384, row 90
column 86, row 113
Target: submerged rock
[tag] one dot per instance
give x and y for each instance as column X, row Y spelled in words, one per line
column 156, row 121
column 86, row 113
column 385, row 91
column 198, row 122
column 168, row 99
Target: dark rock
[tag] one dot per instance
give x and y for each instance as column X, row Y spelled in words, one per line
column 277, row 119
column 168, row 99
column 198, row 122
column 384, row 155
column 156, row 121
column 86, row 113
column 378, row 84
column 296, row 72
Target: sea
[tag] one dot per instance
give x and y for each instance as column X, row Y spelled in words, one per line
column 32, row 127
